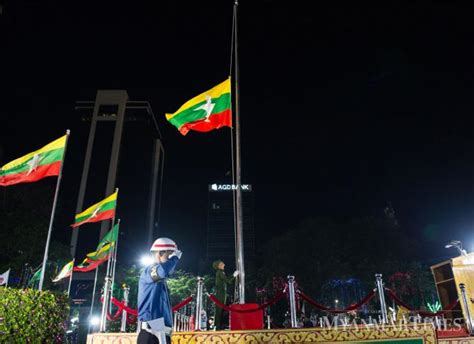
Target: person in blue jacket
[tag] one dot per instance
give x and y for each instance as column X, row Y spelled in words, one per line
column 154, row 308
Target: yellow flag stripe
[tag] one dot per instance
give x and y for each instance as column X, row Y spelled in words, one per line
column 91, row 209
column 57, row 144
column 217, row 91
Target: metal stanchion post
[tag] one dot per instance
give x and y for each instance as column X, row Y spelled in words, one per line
column 197, row 320
column 103, row 316
column 291, row 290
column 175, row 321
column 126, row 292
column 380, row 291
column 465, row 302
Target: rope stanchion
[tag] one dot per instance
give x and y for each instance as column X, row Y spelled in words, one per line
column 230, row 309
column 114, row 317
column 182, row 303
column 423, row 313
column 327, row 309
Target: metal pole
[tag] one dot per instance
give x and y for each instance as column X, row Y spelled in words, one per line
column 70, row 278
column 103, row 316
column 291, row 290
column 93, row 298
column 469, row 321
column 238, row 175
column 51, row 220
column 380, row 291
column 197, row 320
column 123, row 325
column 115, row 260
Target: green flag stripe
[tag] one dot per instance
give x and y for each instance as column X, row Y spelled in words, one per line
column 46, row 159
column 107, row 206
column 191, row 114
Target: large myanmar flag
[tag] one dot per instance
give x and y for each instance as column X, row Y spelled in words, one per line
column 103, row 210
column 209, row 110
column 44, row 162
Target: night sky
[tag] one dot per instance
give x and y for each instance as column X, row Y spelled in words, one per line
column 344, row 109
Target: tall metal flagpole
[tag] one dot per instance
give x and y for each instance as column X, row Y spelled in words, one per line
column 107, row 281
column 114, row 263
column 93, row 297
column 55, row 201
column 238, row 177
column 70, row 277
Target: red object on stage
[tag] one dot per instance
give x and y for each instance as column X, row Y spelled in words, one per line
column 246, row 321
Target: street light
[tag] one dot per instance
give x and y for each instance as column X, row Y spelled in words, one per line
column 95, row 320
column 458, row 245
column 146, row 260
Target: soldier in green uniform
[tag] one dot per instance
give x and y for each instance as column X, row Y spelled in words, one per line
column 221, row 289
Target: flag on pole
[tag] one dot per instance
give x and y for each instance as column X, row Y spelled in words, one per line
column 35, row 278
column 100, row 254
column 4, row 278
column 89, row 264
column 44, row 162
column 205, row 112
column 103, row 210
column 109, row 238
column 65, row 271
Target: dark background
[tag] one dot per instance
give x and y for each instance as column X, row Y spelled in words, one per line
column 345, row 108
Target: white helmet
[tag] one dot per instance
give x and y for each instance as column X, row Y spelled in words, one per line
column 164, row 244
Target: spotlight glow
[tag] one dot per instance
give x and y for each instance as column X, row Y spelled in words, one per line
column 147, row 260
column 95, row 320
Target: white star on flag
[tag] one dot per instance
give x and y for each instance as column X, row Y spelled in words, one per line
column 33, row 163
column 208, row 107
column 96, row 210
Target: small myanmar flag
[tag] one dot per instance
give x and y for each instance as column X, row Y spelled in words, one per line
column 65, row 271
column 103, row 210
column 89, row 265
column 109, row 238
column 205, row 112
column 100, row 254
column 44, row 162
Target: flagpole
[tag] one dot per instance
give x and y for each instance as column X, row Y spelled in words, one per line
column 236, row 287
column 70, row 277
column 93, row 297
column 238, row 176
column 50, row 229
column 114, row 263
column 103, row 315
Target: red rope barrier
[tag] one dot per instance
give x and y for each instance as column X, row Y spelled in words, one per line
column 182, row 303
column 122, row 306
column 114, row 317
column 327, row 309
column 133, row 312
column 399, row 302
column 230, row 309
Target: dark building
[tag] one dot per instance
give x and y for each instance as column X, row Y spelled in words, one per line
column 220, row 224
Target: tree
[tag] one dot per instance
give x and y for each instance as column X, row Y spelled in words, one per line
column 319, row 251
column 25, row 211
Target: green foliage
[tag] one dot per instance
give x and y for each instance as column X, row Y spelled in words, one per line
column 31, row 316
column 25, row 211
column 321, row 250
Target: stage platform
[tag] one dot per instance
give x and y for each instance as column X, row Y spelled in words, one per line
column 366, row 335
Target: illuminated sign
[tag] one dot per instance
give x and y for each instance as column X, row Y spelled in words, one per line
column 230, row 187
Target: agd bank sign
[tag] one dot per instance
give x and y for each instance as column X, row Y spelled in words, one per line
column 230, row 187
